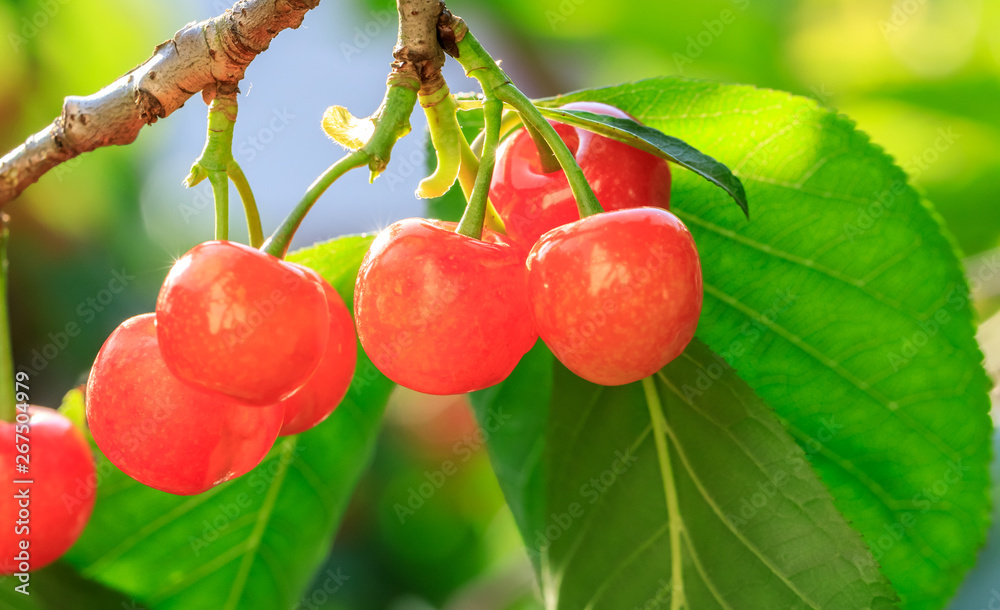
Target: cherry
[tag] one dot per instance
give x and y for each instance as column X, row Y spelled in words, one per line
column 532, row 202
column 165, row 433
column 440, row 312
column 235, row 320
column 60, row 497
column 616, row 296
column 326, row 388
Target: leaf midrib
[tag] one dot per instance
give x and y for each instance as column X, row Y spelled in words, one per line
column 716, row 509
column 263, row 518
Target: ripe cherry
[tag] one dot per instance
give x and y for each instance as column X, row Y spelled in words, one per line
column 440, row 312
column 60, row 497
column 164, row 433
column 532, row 202
column 329, row 383
column 616, row 296
column 235, row 320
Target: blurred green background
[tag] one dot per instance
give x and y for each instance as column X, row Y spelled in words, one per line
column 922, row 77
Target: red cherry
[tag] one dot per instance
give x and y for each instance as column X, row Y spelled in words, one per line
column 616, row 296
column 326, row 388
column 442, row 313
column 61, row 493
column 532, row 202
column 165, row 433
column 235, row 320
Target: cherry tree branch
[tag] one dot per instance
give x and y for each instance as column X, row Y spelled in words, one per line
column 205, row 56
column 417, row 50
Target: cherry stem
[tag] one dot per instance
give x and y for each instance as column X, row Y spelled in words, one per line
column 8, row 392
column 220, row 192
column 216, row 163
column 469, row 169
column 479, row 64
column 548, row 158
column 586, row 201
column 277, row 244
column 392, row 122
column 467, row 179
column 511, row 120
column 472, row 220
column 256, row 233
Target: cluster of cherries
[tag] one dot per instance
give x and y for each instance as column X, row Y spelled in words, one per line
column 615, row 296
column 243, row 347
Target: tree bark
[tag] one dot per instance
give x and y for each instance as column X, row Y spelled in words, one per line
column 417, row 49
column 205, row 56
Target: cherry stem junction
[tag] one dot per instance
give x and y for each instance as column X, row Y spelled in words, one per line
column 216, row 163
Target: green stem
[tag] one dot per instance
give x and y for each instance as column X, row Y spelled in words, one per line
column 467, row 179
column 510, row 120
column 545, row 155
column 256, row 233
column 220, row 192
column 8, row 392
column 475, row 213
column 392, row 121
column 277, row 244
column 586, row 201
column 479, row 64
column 469, row 169
column 216, row 163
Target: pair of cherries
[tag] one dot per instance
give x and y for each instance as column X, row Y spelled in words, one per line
column 243, row 348
column 615, row 296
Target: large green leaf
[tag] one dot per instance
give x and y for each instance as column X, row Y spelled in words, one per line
column 253, row 542
column 680, row 491
column 843, row 305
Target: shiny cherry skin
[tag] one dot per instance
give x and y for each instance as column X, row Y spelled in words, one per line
column 61, row 494
column 235, row 320
column 317, row 399
column 532, row 202
column 442, row 313
column 617, row 295
column 165, row 433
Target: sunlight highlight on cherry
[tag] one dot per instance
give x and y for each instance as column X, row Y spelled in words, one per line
column 616, row 296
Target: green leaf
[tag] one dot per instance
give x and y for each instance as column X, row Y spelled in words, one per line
column 253, row 542
column 58, row 587
column 683, row 490
column 656, row 142
column 844, row 306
